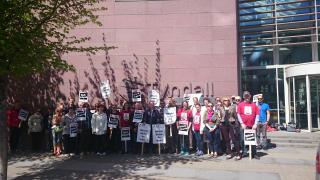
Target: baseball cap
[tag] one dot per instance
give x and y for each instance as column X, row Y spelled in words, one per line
column 246, row 93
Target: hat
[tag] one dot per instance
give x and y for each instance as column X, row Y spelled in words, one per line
column 246, row 93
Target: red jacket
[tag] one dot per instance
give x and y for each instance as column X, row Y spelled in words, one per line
column 12, row 118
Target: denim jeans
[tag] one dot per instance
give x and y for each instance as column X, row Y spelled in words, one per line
column 198, row 138
column 214, row 139
column 262, row 130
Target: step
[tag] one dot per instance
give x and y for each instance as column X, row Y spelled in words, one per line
column 295, row 145
column 306, row 141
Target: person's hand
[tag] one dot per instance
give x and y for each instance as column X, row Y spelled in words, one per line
column 254, row 127
column 243, row 126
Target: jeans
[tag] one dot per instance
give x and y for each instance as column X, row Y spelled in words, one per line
column 244, row 148
column 262, row 130
column 198, row 139
column 214, row 139
column 184, row 141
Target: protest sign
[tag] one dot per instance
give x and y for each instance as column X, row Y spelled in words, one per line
column 169, row 115
column 105, row 89
column 83, row 96
column 137, row 116
column 136, row 95
column 143, row 135
column 113, row 121
column 158, row 134
column 126, row 116
column 23, row 115
column 125, row 134
column 189, row 98
column 73, row 129
column 250, row 137
column 81, row 114
column 183, row 128
column 154, row 96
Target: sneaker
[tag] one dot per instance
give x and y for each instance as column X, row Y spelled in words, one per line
column 238, row 158
column 98, row 153
column 200, row 153
column 229, row 156
column 186, row 154
column 256, row 157
column 182, row 153
column 215, row 155
column 265, row 148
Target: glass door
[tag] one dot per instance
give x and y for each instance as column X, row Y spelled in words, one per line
column 315, row 98
column 301, row 102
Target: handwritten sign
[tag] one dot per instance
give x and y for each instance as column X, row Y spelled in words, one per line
column 154, row 96
column 105, row 89
column 143, row 135
column 158, row 134
column 169, row 115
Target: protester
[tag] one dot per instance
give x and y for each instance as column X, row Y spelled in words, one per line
column 114, row 132
column 172, row 130
column 57, row 131
column 14, row 126
column 70, row 131
column 264, row 118
column 212, row 131
column 151, row 116
column 248, row 116
column 184, row 120
column 125, row 123
column 84, row 129
column 99, row 123
column 134, row 126
column 35, row 125
column 227, row 116
column 196, row 127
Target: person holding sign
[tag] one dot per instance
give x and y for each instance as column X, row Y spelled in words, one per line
column 70, row 131
column 171, row 127
column 13, row 123
column 212, row 131
column 196, row 125
column 114, row 131
column 99, row 123
column 57, row 131
column 84, row 123
column 228, row 122
column 151, row 116
column 124, row 125
column 184, row 123
column 248, row 116
column 137, row 115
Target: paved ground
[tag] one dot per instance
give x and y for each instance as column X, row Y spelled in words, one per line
column 278, row 163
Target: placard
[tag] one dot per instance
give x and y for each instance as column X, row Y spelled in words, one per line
column 143, row 135
column 136, row 95
column 250, row 137
column 105, row 89
column 83, row 96
column 23, row 115
column 158, row 134
column 73, row 129
column 126, row 116
column 153, row 95
column 113, row 121
column 189, row 98
column 183, row 128
column 169, row 115
column 137, row 116
column 81, row 114
column 125, row 134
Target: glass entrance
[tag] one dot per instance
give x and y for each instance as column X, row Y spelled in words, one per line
column 315, row 98
column 301, row 102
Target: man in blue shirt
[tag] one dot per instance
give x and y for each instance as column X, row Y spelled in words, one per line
column 262, row 124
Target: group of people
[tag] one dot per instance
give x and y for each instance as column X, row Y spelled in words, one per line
column 220, row 123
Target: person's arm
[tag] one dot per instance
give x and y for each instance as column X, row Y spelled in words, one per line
column 268, row 116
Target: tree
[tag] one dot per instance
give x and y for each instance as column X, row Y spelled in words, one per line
column 34, row 34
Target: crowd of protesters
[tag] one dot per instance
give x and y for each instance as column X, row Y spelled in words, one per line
column 213, row 127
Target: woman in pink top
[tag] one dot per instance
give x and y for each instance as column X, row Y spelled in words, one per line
column 184, row 123
column 196, row 123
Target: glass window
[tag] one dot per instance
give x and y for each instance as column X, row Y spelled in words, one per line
column 301, row 102
column 295, row 54
column 259, row 56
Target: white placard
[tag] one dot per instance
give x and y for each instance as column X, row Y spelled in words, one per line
column 137, row 116
column 113, row 121
column 136, row 95
column 125, row 134
column 23, row 115
column 153, row 95
column 83, row 96
column 143, row 135
column 169, row 115
column 158, row 134
column 250, row 137
column 81, row 114
column 73, row 129
column 105, row 89
column 189, row 98
column 183, row 128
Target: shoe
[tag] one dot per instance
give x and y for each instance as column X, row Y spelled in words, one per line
column 99, row 154
column 259, row 147
column 200, row 153
column 238, row 158
column 265, row 148
column 229, row 156
column 215, row 155
column 245, row 155
column 186, row 154
column 103, row 154
column 181, row 153
column 256, row 157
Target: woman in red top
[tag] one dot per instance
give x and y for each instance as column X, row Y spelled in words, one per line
column 184, row 123
column 14, row 125
column 125, row 123
column 196, row 129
